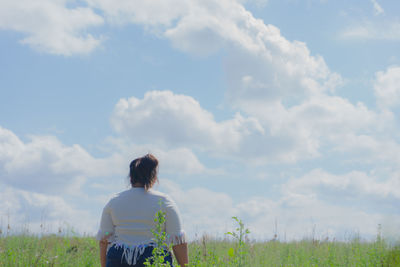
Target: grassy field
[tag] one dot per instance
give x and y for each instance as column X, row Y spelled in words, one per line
column 235, row 250
column 53, row 250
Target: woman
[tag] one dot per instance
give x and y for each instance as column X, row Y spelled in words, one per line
column 125, row 236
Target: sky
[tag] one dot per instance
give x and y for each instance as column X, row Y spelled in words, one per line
column 283, row 113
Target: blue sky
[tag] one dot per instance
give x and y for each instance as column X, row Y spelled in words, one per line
column 280, row 112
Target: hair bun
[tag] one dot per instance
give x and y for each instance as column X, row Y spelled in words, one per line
column 143, row 170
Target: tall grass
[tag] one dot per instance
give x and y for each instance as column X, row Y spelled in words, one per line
column 57, row 250
column 52, row 250
column 301, row 253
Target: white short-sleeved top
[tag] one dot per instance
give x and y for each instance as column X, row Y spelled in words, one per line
column 128, row 218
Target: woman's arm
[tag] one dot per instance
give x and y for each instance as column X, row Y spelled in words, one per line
column 103, row 251
column 181, row 254
column 106, row 230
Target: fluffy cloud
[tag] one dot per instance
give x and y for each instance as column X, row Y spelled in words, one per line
column 354, row 200
column 151, row 13
column 352, row 130
column 42, row 179
column 164, row 117
column 265, row 70
column 171, row 160
column 321, row 121
column 387, row 87
column 299, row 217
column 378, row 10
column 262, row 65
column 44, row 164
column 171, row 120
column 279, row 83
column 355, row 187
column 372, row 150
column 306, row 201
column 41, row 213
column 199, row 209
column 388, row 30
column 273, row 133
column 199, row 27
column 51, row 26
column 308, row 206
column 331, row 115
column 320, row 116
column 328, row 120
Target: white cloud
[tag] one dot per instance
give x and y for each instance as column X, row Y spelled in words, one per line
column 387, row 87
column 355, row 186
column 44, row 164
column 378, row 10
column 390, row 226
column 276, row 81
column 41, row 213
column 258, row 3
column 270, row 66
column 51, row 26
column 329, row 122
column 171, row 121
column 332, row 115
column 200, row 214
column 352, row 202
column 299, row 217
column 171, row 160
column 303, row 205
column 316, row 198
column 182, row 159
column 373, row 150
column 164, row 117
column 151, row 13
column 388, row 30
column 274, row 133
column 261, row 65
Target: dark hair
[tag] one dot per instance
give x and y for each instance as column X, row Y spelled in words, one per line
column 143, row 170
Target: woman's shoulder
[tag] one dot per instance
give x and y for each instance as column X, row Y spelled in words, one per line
column 121, row 194
column 157, row 193
column 161, row 195
column 118, row 196
column 127, row 195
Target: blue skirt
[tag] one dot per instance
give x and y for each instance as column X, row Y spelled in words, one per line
column 116, row 258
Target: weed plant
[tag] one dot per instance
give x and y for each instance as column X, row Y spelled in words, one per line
column 238, row 254
column 160, row 237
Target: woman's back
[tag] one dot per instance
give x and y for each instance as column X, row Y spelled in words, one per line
column 129, row 217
